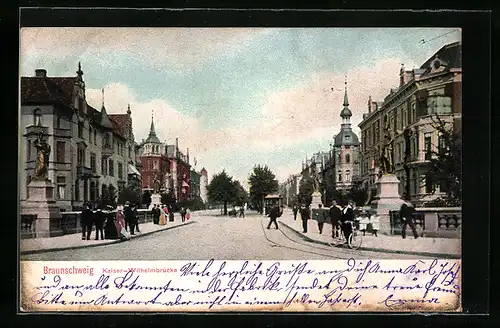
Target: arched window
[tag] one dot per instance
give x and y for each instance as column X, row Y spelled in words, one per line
column 37, row 117
column 347, row 158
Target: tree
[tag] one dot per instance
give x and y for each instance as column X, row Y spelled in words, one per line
column 241, row 194
column 168, row 198
column 262, row 182
column 222, row 189
column 358, row 194
column 146, row 198
column 445, row 164
column 128, row 195
column 305, row 191
column 108, row 195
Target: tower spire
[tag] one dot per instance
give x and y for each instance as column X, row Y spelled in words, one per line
column 128, row 110
column 346, row 101
column 102, row 97
column 79, row 72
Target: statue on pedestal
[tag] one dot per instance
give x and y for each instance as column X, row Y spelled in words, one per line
column 156, row 185
column 42, row 158
column 387, row 153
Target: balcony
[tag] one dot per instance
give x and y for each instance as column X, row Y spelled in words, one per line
column 35, row 130
column 107, row 151
column 84, row 172
column 65, row 133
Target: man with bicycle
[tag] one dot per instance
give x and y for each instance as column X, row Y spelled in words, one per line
column 347, row 220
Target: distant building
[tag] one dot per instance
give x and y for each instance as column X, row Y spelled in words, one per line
column 195, row 184
column 433, row 89
column 90, row 149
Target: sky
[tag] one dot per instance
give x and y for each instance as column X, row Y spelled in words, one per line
column 236, row 97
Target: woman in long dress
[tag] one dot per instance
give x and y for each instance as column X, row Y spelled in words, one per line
column 188, row 214
column 163, row 217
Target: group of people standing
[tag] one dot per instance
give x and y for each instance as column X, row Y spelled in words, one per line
column 162, row 212
column 107, row 224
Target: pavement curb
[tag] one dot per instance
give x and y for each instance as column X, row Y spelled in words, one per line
column 40, row 251
column 373, row 249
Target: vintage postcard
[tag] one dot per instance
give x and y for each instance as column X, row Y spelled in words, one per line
column 240, row 169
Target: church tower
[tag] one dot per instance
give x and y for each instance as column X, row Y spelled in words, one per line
column 346, row 149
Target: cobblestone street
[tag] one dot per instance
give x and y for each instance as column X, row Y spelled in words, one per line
column 217, row 237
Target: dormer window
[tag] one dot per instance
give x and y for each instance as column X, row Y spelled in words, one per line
column 37, row 117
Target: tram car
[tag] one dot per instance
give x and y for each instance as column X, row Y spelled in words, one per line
column 272, row 200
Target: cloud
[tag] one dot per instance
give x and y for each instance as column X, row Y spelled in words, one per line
column 177, row 48
column 309, row 112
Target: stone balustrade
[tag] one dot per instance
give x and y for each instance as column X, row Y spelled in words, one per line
column 437, row 222
column 69, row 223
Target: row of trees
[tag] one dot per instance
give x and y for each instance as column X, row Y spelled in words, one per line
column 223, row 189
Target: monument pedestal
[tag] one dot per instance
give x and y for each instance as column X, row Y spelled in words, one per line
column 41, row 203
column 387, row 199
column 316, row 200
column 155, row 200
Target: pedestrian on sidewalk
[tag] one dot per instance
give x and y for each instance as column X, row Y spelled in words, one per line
column 99, row 218
column 86, row 221
column 375, row 222
column 183, row 214
column 188, row 214
column 335, row 214
column 110, row 231
column 406, row 214
column 128, row 215
column 135, row 217
column 321, row 218
column 273, row 214
column 242, row 212
column 156, row 214
column 295, row 210
column 305, row 215
column 171, row 213
column 364, row 220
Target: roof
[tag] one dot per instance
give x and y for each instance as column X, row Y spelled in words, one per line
column 120, row 122
column 203, row 171
column 450, row 54
column 133, row 170
column 346, row 137
column 47, row 90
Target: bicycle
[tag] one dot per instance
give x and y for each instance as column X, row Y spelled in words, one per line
column 355, row 238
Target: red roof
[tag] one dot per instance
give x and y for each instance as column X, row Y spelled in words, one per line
column 120, row 122
column 203, row 171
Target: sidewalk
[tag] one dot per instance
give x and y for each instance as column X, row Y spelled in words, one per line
column 439, row 247
column 74, row 241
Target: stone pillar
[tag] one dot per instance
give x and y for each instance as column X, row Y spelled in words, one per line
column 42, row 204
column 316, row 199
column 387, row 200
column 155, row 200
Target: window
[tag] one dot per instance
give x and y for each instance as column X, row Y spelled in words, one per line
column 28, row 151
column 120, row 170
column 347, row 158
column 37, row 117
column 428, row 185
column 77, row 190
column 111, row 168
column 80, row 130
column 347, row 176
column 155, row 165
column 93, row 190
column 428, row 146
column 80, row 157
column 441, row 145
column 60, row 151
column 58, row 121
column 28, row 180
column 90, row 134
column 95, row 137
column 340, row 177
column 413, row 113
column 93, row 163
column 61, row 187
column 405, row 118
column 104, row 166
column 129, row 152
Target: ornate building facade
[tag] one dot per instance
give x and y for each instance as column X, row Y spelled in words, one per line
column 90, row 149
column 432, row 90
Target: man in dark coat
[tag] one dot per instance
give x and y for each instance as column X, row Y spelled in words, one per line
column 406, row 214
column 305, row 214
column 99, row 219
column 129, row 216
column 295, row 210
column 320, row 217
column 335, row 213
column 171, row 213
column 273, row 214
column 346, row 218
column 86, row 221
column 156, row 214
column 135, row 218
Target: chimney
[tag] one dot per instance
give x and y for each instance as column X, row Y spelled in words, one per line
column 369, row 104
column 40, row 73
